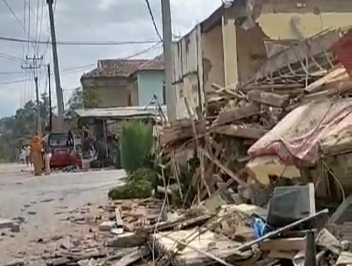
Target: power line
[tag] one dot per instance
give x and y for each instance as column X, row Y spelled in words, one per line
column 47, row 46
column 80, row 68
column 64, row 71
column 153, row 20
column 77, row 43
column 13, row 13
column 12, row 58
column 71, row 70
column 37, row 25
column 14, row 81
column 24, row 47
column 41, row 22
column 11, row 73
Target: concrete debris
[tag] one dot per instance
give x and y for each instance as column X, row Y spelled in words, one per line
column 15, row 228
column 249, row 194
column 117, row 231
column 128, row 240
column 230, row 234
column 15, row 263
column 107, row 226
column 4, row 223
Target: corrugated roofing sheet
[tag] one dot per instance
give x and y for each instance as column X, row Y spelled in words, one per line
column 120, row 112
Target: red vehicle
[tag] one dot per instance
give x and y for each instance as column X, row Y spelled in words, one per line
column 62, row 148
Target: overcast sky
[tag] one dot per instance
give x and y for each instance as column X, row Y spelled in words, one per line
column 80, row 20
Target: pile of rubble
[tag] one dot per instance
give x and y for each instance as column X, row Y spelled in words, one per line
column 313, row 70
column 149, row 232
column 226, row 216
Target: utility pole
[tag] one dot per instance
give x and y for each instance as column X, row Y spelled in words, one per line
column 39, row 122
column 50, row 105
column 168, row 60
column 34, row 66
column 59, row 96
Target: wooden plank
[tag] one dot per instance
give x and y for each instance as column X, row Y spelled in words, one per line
column 224, row 168
column 133, row 257
column 268, row 98
column 242, row 132
column 331, row 75
column 236, row 114
column 313, row 46
column 270, row 87
column 283, row 244
column 171, row 134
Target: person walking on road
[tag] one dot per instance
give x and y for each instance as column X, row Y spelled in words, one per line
column 36, row 152
column 27, row 151
column 47, row 157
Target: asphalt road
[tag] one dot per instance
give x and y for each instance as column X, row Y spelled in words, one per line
column 43, row 202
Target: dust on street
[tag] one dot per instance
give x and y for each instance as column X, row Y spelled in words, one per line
column 42, row 206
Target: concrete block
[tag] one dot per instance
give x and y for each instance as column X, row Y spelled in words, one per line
column 117, row 231
column 107, row 226
column 128, row 240
column 5, row 223
column 14, row 263
column 15, row 228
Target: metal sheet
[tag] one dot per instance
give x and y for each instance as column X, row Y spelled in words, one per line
column 119, row 112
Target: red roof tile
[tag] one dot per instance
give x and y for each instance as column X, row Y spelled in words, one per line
column 115, row 68
column 155, row 64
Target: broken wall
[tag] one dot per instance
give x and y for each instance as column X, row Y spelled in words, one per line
column 251, row 51
column 213, row 58
column 188, row 73
column 230, row 41
column 112, row 91
column 287, row 19
column 244, row 50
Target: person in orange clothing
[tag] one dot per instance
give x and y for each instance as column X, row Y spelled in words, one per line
column 36, row 154
column 47, row 157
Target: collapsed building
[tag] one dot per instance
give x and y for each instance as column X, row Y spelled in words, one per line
column 245, row 103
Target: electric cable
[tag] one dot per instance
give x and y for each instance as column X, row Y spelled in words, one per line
column 153, row 19
column 80, row 68
column 78, row 43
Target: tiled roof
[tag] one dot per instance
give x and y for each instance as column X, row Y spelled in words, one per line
column 115, row 68
column 155, row 64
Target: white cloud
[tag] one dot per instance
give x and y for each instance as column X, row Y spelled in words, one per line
column 84, row 20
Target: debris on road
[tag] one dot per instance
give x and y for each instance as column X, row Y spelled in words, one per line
column 4, row 223
column 10, row 224
column 233, row 234
column 249, row 182
column 253, row 179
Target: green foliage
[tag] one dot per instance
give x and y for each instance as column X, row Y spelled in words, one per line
column 143, row 174
column 17, row 129
column 87, row 98
column 132, row 190
column 139, row 184
column 136, row 142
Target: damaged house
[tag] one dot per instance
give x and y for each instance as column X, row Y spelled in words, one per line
column 232, row 43
column 234, row 85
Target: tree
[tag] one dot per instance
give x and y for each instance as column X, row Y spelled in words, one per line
column 87, row 98
column 16, row 130
column 136, row 142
